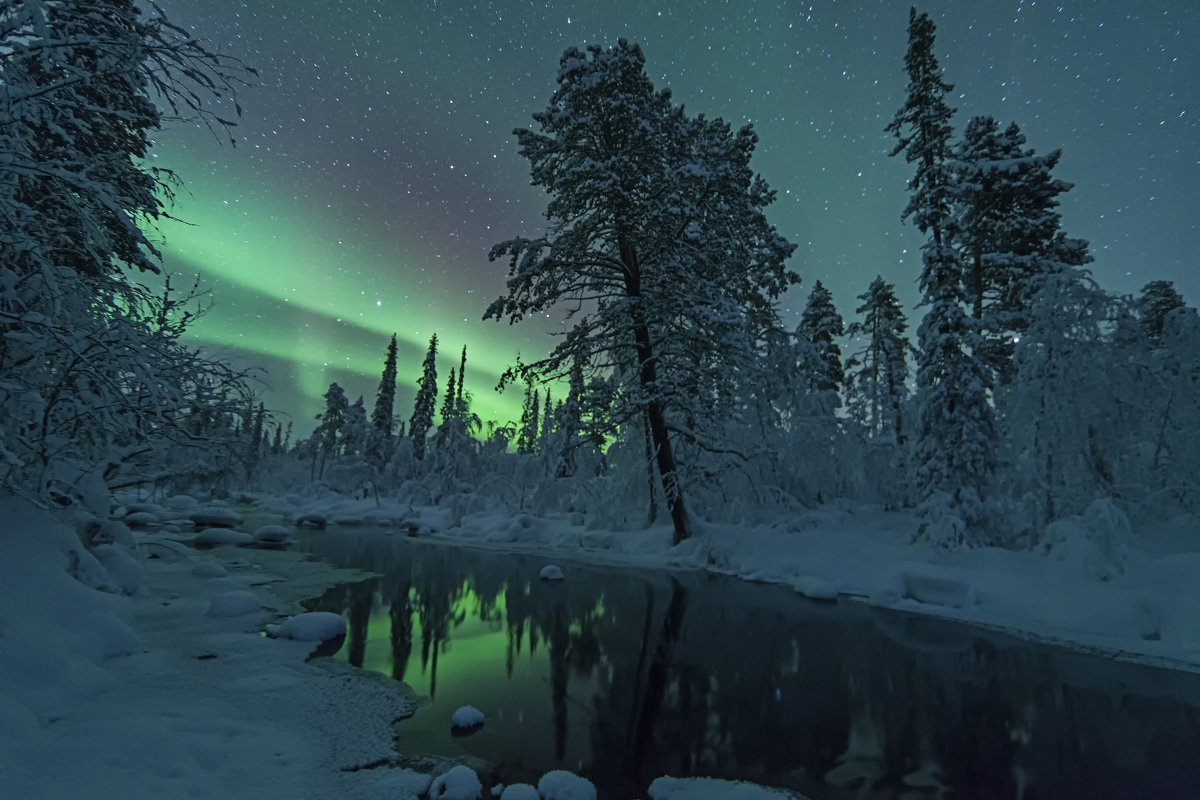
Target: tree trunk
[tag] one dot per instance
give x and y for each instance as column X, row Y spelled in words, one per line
column 655, row 416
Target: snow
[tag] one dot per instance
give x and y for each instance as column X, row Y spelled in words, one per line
column 152, row 673
column 234, row 603
column 313, row 626
column 214, row 537
column 459, row 783
column 467, row 717
column 520, row 791
column 550, row 572
column 558, row 784
column 146, row 696
column 272, row 534
column 668, row 788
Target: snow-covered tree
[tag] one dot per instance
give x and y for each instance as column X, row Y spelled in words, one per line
column 95, row 380
column 657, row 238
column 327, row 434
column 956, row 427
column 527, row 435
column 878, row 371
column 820, row 324
column 1008, row 230
column 425, row 403
column 1157, row 300
column 383, row 421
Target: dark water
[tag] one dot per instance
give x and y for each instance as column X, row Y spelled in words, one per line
column 624, row 675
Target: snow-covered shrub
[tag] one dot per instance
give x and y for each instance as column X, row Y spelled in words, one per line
column 1095, row 543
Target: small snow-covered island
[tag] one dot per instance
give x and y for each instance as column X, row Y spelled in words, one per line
column 744, row 541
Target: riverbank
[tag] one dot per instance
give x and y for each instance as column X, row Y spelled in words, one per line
column 1100, row 586
column 138, row 671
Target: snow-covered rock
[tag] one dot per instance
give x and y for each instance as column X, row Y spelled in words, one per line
column 272, row 534
column 313, row 626
column 124, row 569
column 459, row 783
column 815, row 588
column 234, row 604
column 551, row 572
column 215, row 517
column 182, row 502
column 520, row 791
column 213, row 537
column 668, row 788
column 559, row 784
column 141, row 519
column 467, row 717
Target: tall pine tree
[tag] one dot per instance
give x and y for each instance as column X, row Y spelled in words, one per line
column 878, row 373
column 956, row 427
column 819, row 325
column 383, row 422
column 425, row 403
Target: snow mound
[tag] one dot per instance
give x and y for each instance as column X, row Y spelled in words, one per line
column 1096, row 544
column 124, row 569
column 815, row 588
column 272, row 534
column 209, row 569
column 668, row 788
column 460, row 783
column 550, row 572
column 314, row 626
column 141, row 519
column 182, row 502
column 213, row 537
column 559, row 784
column 467, row 717
column 215, row 517
column 234, row 604
column 520, row 791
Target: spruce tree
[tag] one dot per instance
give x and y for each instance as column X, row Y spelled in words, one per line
column 383, row 414
column 1157, row 300
column 819, row 324
column 425, row 403
column 327, row 434
column 878, row 373
column 956, row 428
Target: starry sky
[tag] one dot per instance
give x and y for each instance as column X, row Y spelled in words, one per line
column 375, row 163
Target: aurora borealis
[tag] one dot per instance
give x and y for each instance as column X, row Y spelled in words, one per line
column 375, row 164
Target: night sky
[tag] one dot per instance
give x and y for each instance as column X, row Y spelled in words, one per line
column 375, row 163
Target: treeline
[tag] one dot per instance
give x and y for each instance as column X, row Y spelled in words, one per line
column 1030, row 392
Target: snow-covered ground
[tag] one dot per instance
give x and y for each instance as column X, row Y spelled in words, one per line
column 145, row 672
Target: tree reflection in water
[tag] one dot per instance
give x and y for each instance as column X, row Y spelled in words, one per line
column 624, row 675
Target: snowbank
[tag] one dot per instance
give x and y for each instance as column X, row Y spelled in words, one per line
column 195, row 704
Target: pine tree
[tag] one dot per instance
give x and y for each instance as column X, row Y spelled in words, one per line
column 956, row 425
column 657, row 230
column 819, row 324
column 328, row 432
column 421, row 421
column 383, row 421
column 1157, row 300
column 1008, row 230
column 527, row 434
column 356, row 430
column 878, row 375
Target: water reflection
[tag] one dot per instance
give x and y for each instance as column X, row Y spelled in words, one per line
column 626, row 675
